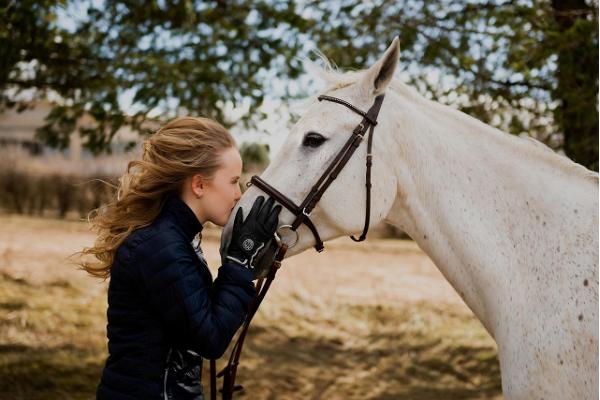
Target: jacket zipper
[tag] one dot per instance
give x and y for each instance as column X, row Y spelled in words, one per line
column 166, row 374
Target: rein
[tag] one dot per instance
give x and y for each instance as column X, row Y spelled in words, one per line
column 302, row 213
column 229, row 372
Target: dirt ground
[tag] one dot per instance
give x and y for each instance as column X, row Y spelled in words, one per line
column 374, row 320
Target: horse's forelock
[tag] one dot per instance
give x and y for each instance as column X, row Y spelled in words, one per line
column 330, row 74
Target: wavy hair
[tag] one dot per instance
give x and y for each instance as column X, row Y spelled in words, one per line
column 183, row 147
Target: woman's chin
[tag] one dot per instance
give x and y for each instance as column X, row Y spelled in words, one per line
column 217, row 222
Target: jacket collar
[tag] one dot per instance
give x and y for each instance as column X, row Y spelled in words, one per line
column 183, row 215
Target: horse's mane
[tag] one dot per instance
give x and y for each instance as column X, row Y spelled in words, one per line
column 335, row 78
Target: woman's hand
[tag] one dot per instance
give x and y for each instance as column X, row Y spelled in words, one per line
column 250, row 236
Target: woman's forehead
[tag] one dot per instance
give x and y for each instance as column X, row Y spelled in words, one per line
column 231, row 160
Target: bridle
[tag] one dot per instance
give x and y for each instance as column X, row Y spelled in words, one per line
column 302, row 213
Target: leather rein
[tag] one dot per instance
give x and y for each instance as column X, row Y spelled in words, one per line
column 302, row 213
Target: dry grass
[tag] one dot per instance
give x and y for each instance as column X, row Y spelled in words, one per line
column 371, row 321
column 49, row 164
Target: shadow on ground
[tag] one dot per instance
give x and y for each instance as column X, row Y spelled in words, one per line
column 52, row 346
column 31, row 373
column 395, row 353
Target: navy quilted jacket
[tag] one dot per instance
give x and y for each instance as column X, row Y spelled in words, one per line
column 164, row 311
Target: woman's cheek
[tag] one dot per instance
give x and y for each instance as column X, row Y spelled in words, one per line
column 226, row 217
column 227, row 208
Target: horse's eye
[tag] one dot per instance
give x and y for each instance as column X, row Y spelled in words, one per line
column 313, row 139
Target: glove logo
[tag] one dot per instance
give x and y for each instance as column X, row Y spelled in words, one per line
column 248, row 244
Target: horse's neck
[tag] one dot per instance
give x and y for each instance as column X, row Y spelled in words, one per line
column 488, row 209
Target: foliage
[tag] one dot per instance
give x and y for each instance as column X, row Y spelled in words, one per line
column 54, row 193
column 254, row 155
column 526, row 66
column 180, row 57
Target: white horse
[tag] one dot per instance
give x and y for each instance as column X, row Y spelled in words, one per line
column 511, row 225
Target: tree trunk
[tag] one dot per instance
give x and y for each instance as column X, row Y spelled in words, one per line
column 577, row 77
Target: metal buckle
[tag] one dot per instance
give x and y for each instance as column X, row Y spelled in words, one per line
column 304, row 212
column 280, row 239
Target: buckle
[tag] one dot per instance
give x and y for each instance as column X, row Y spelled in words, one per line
column 279, row 237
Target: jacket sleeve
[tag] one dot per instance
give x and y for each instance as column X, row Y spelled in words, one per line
column 202, row 314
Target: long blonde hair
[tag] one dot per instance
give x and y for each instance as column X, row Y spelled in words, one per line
column 184, row 147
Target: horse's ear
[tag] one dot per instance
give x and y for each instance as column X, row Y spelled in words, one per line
column 378, row 77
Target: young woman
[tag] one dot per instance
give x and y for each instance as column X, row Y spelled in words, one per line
column 165, row 313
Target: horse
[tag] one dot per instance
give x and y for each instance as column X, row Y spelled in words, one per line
column 512, row 225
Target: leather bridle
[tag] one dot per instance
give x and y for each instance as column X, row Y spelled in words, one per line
column 303, row 211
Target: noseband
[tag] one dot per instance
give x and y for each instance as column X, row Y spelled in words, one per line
column 303, row 211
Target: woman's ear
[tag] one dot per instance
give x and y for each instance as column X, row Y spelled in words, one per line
column 197, row 183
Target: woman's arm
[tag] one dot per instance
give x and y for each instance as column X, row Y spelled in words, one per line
column 202, row 315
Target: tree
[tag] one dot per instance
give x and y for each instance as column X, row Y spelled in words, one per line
column 254, row 155
column 526, row 66
column 178, row 56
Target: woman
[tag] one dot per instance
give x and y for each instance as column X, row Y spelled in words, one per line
column 165, row 313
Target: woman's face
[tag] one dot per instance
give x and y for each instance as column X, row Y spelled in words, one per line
column 221, row 193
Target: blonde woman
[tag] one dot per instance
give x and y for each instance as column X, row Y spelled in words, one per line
column 165, row 313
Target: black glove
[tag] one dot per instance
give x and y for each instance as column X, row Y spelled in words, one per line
column 250, row 236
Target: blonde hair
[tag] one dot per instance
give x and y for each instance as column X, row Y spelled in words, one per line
column 183, row 147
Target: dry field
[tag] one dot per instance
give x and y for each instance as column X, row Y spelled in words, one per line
column 360, row 321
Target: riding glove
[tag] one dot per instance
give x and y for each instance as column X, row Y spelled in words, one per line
column 249, row 236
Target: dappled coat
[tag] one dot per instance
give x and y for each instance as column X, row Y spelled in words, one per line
column 164, row 312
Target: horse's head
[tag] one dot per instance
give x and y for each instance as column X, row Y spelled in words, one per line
column 311, row 146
